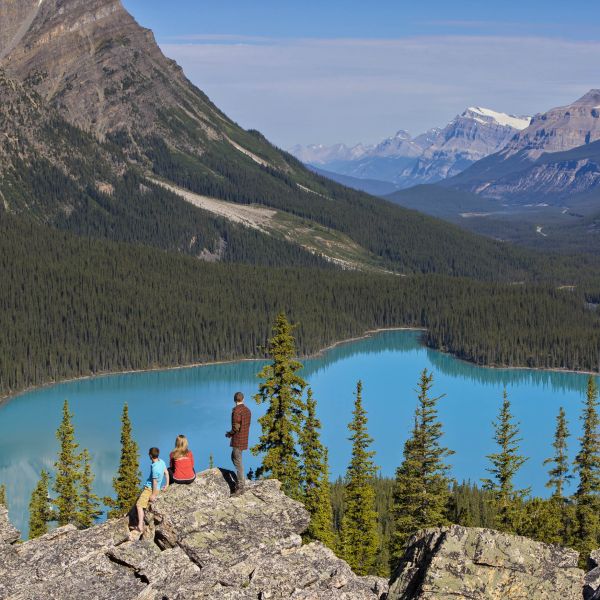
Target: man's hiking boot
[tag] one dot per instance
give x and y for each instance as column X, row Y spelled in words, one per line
column 237, row 492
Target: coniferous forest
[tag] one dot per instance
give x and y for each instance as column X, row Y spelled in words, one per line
column 72, row 306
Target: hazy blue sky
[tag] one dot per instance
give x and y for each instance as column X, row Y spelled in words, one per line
column 329, row 70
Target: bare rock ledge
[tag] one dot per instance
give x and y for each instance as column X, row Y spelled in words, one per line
column 200, row 543
column 456, row 563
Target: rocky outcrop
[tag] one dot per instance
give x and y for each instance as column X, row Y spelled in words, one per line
column 8, row 533
column 591, row 587
column 200, row 543
column 481, row 564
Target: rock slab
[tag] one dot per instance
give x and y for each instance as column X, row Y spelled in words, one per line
column 454, row 563
column 199, row 543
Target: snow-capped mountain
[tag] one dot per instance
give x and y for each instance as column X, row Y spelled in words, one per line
column 555, row 154
column 426, row 158
column 319, row 154
column 469, row 137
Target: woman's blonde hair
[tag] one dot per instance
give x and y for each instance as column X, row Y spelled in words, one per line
column 181, row 447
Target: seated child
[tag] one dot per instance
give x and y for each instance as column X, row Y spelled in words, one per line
column 157, row 479
column 181, row 462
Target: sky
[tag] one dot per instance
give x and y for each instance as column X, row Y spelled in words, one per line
column 329, row 71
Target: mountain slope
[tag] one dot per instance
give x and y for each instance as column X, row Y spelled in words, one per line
column 103, row 74
column 64, row 177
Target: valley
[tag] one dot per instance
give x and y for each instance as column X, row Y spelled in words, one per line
column 156, row 252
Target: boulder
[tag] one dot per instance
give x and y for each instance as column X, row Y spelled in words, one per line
column 455, row 562
column 199, row 543
column 591, row 588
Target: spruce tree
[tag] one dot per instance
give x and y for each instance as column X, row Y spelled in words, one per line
column 67, row 469
column 422, row 491
column 39, row 508
column 359, row 539
column 282, row 390
column 127, row 482
column 559, row 474
column 315, row 475
column 506, row 463
column 3, row 500
column 587, row 466
column 89, row 503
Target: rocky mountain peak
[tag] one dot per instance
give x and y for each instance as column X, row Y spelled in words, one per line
column 591, row 98
column 104, row 73
column 488, row 116
column 559, row 129
column 402, row 134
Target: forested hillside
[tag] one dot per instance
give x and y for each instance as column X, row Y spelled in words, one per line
column 150, row 280
column 81, row 163
column 74, row 306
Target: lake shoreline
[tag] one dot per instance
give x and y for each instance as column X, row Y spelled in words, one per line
column 319, row 353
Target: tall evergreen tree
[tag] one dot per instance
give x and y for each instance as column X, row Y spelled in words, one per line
column 587, row 466
column 315, row 476
column 3, row 500
column 549, row 520
column 40, row 512
column 359, row 537
column 559, row 474
column 505, row 464
column 67, row 469
column 89, row 503
column 282, row 389
column 422, row 491
column 127, row 482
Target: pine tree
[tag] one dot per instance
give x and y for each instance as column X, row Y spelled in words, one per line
column 548, row 519
column 422, row 492
column 505, row 464
column 67, row 468
column 559, row 474
column 3, row 500
column 315, row 475
column 127, row 482
column 587, row 466
column 359, row 537
column 89, row 503
column 211, row 462
column 282, row 389
column 39, row 507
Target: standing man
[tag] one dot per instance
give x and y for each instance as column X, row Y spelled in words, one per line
column 240, row 428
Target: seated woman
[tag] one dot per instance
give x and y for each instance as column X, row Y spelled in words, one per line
column 181, row 468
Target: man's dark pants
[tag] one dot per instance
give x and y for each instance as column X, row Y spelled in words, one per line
column 236, row 458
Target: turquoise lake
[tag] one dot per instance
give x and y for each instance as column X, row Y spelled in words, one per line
column 197, row 402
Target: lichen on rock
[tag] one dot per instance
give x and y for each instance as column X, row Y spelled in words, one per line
column 482, row 564
column 199, row 543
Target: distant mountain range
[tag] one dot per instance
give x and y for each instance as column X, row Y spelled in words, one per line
column 555, row 157
column 542, row 188
column 404, row 161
